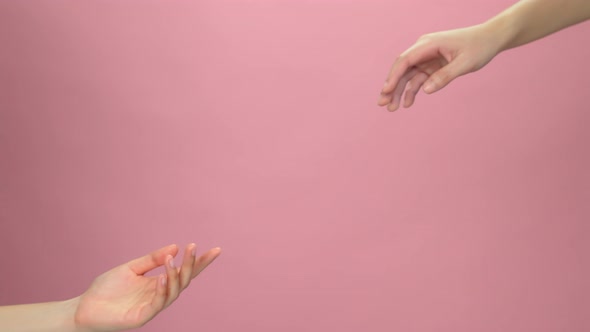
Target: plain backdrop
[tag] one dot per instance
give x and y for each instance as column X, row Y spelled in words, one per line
column 252, row 125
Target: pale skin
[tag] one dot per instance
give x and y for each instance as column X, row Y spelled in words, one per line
column 120, row 299
column 124, row 298
column 438, row 58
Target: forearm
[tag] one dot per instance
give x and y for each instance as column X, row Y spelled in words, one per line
column 529, row 20
column 39, row 317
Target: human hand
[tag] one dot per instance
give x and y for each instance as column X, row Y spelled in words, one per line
column 435, row 60
column 123, row 298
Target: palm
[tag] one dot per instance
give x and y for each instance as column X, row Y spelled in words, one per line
column 119, row 299
column 125, row 298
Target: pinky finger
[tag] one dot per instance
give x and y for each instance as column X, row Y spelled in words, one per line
column 161, row 290
column 202, row 262
column 150, row 311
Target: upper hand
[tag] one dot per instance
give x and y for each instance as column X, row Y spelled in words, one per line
column 434, row 61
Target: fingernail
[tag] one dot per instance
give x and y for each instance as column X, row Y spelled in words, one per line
column 163, row 280
column 171, row 263
column 194, row 251
column 428, row 87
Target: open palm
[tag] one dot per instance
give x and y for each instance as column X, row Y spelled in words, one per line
column 125, row 298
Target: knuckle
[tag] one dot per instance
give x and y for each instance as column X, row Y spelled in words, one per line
column 444, row 76
column 403, row 59
column 426, row 38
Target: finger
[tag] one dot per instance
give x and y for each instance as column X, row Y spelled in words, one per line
column 172, row 281
column 428, row 67
column 413, row 87
column 399, row 90
column 188, row 262
column 152, row 260
column 384, row 99
column 161, row 290
column 410, row 58
column 158, row 301
column 445, row 75
column 202, row 262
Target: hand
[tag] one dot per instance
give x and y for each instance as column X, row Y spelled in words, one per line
column 123, row 298
column 437, row 59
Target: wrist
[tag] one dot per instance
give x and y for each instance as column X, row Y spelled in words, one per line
column 502, row 32
column 40, row 317
column 68, row 311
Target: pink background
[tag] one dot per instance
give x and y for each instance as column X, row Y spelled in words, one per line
column 253, row 125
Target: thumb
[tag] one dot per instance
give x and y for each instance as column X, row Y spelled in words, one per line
column 442, row 77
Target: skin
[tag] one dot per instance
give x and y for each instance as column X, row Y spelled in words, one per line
column 120, row 299
column 438, row 58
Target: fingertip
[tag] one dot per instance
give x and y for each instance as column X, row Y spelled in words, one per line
column 387, row 88
column 170, row 261
column 192, row 249
column 171, row 249
column 384, row 100
column 212, row 254
column 429, row 87
column 163, row 281
column 172, row 281
column 161, row 289
column 215, row 252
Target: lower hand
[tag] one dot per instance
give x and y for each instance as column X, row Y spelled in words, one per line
column 124, row 298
